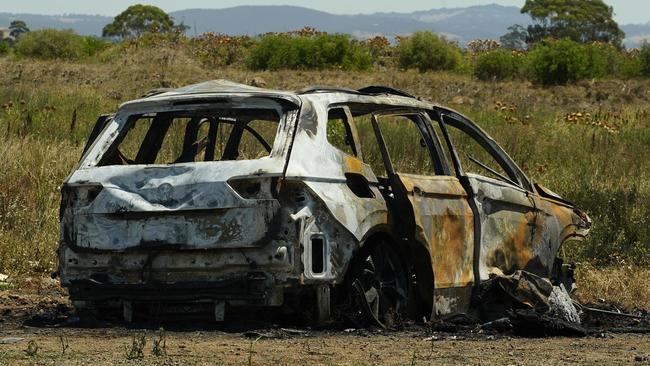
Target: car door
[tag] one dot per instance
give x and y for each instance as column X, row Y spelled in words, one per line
column 501, row 195
column 431, row 206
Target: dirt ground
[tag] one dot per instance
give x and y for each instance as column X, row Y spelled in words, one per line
column 107, row 346
column 38, row 327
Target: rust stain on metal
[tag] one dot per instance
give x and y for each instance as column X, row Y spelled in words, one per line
column 353, row 164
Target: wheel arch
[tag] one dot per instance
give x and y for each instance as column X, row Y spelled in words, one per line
column 415, row 257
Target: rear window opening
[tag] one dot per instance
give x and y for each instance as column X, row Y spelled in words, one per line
column 194, row 136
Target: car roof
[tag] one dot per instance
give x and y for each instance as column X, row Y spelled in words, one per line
column 227, row 86
column 380, row 94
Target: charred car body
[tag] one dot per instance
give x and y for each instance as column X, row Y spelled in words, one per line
column 223, row 195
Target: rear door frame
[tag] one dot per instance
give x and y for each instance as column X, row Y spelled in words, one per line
column 427, row 204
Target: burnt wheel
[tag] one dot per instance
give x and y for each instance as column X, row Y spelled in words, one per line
column 378, row 286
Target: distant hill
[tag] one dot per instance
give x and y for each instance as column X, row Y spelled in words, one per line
column 466, row 24
column 636, row 34
column 461, row 24
column 253, row 20
column 81, row 23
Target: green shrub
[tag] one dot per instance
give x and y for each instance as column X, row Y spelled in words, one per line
column 558, row 62
column 573, row 61
column 320, row 51
column 93, row 45
column 466, row 65
column 4, row 48
column 497, row 65
column 644, row 57
column 427, row 51
column 51, row 44
column 630, row 66
column 603, row 59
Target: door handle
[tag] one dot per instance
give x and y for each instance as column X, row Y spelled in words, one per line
column 418, row 191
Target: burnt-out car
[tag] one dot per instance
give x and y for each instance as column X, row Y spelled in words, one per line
column 371, row 202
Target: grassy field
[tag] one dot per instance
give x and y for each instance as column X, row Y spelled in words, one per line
column 588, row 142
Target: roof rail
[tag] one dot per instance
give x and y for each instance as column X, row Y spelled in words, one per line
column 368, row 90
column 156, row 91
column 325, row 89
column 378, row 89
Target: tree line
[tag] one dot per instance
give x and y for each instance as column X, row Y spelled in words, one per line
column 568, row 40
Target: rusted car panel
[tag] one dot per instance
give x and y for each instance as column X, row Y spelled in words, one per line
column 445, row 224
column 219, row 223
column 507, row 220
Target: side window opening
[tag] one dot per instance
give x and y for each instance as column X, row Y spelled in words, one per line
column 194, row 136
column 406, row 144
column 475, row 158
column 339, row 131
column 403, row 133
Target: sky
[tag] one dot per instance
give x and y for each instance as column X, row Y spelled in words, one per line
column 627, row 11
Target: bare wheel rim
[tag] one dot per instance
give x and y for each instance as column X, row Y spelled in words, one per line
column 382, row 281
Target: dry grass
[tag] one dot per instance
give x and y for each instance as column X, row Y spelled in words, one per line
column 627, row 287
column 31, row 170
column 604, row 172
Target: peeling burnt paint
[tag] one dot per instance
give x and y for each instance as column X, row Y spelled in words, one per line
column 251, row 232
